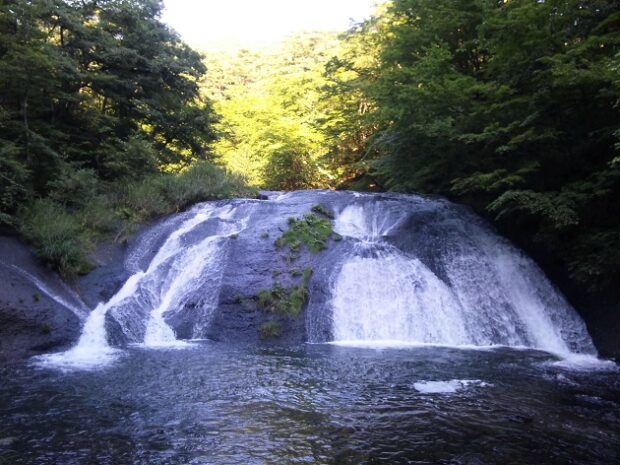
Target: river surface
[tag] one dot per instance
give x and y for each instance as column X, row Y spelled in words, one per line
column 212, row 403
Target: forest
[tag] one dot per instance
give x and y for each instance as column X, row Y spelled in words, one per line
column 107, row 120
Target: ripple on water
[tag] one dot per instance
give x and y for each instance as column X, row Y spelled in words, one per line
column 318, row 405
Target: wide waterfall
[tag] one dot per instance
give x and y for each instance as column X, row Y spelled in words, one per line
column 409, row 270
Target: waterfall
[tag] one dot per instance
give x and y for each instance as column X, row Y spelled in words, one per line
column 481, row 291
column 140, row 305
column 409, row 270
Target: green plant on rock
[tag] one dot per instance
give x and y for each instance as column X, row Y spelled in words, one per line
column 323, row 210
column 271, row 329
column 286, row 301
column 312, row 231
column 58, row 237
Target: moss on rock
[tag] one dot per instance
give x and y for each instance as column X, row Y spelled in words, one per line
column 271, row 329
column 312, row 231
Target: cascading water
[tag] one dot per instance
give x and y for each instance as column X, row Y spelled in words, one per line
column 480, row 292
column 410, row 270
column 148, row 295
column 65, row 296
column 382, row 295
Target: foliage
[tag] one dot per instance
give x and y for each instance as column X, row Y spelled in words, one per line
column 270, row 329
column 286, row 301
column 58, row 237
column 93, row 90
column 311, row 231
column 509, row 106
column 271, row 109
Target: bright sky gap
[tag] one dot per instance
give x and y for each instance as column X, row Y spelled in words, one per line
column 216, row 24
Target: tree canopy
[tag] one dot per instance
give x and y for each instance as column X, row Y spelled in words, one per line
column 94, row 85
column 509, row 106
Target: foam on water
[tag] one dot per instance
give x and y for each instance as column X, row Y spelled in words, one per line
column 447, row 387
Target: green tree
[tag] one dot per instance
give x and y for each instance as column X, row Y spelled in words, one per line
column 510, row 106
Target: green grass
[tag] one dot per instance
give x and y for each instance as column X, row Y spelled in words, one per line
column 64, row 229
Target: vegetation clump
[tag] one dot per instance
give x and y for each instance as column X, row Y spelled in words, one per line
column 323, row 210
column 286, row 301
column 65, row 227
column 312, row 231
column 271, row 329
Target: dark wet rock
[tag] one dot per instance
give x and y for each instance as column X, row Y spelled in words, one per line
column 31, row 321
column 108, row 275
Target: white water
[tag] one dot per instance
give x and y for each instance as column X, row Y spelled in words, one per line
column 173, row 271
column 373, row 292
column 411, row 271
column 184, row 276
column 446, row 387
column 488, row 294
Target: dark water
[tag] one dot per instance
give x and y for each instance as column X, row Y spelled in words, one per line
column 214, row 404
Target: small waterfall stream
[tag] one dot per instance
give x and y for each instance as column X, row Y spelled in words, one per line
column 173, row 272
column 64, row 296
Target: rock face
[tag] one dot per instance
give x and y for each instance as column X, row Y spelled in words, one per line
column 204, row 271
column 34, row 313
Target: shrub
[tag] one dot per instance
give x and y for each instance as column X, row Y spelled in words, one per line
column 141, row 200
column 57, row 236
column 74, row 188
column 202, row 181
column 100, row 217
